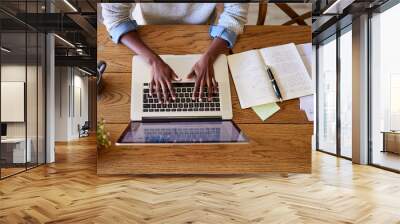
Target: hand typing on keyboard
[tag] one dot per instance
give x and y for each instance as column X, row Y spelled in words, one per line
column 160, row 84
column 183, row 101
column 163, row 75
column 203, row 70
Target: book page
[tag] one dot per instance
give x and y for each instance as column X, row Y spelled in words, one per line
column 305, row 51
column 251, row 80
column 289, row 71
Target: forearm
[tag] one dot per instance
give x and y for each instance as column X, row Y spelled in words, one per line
column 218, row 46
column 133, row 41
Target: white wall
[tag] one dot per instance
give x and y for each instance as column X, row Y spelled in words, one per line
column 33, row 126
column 61, row 104
column 69, row 84
column 16, row 73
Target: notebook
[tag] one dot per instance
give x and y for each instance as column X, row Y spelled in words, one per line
column 251, row 78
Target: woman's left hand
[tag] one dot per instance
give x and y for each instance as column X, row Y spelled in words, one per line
column 203, row 73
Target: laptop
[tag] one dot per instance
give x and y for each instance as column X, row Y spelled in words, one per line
column 182, row 121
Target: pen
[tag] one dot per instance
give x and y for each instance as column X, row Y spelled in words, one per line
column 274, row 85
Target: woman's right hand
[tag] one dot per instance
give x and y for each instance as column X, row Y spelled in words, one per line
column 162, row 76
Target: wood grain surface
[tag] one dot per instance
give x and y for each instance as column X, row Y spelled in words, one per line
column 280, row 144
column 255, row 37
column 268, row 149
column 116, row 95
column 70, row 191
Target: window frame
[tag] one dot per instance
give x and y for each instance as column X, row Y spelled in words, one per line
column 334, row 37
column 378, row 10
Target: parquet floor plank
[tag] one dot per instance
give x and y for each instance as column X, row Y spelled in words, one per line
column 69, row 191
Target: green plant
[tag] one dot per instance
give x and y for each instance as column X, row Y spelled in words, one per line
column 103, row 137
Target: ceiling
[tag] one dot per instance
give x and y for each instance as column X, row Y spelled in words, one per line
column 331, row 15
column 72, row 20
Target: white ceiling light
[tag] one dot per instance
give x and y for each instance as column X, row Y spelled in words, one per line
column 70, row 5
column 5, row 50
column 65, row 41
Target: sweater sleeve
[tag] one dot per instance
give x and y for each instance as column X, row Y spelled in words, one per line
column 231, row 22
column 117, row 19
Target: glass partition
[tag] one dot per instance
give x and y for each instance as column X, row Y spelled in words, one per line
column 327, row 96
column 346, row 93
column 14, row 154
column 32, row 98
column 22, row 88
column 385, row 90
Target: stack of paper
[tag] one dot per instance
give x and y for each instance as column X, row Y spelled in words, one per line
column 305, row 51
column 307, row 105
column 307, row 102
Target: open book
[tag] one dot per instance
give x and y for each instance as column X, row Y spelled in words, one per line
column 252, row 81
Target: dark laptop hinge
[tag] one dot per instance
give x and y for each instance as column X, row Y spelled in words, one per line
column 169, row 119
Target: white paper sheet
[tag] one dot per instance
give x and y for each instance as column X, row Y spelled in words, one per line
column 289, row 70
column 305, row 51
column 307, row 105
column 251, row 81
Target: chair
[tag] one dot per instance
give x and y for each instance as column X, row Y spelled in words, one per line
column 262, row 11
column 84, row 130
column 295, row 18
column 101, row 67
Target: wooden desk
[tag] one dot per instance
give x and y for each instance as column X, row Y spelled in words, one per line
column 391, row 141
column 13, row 150
column 280, row 144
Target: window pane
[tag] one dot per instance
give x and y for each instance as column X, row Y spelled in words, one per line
column 327, row 97
column 14, row 145
column 385, row 84
column 346, row 94
column 31, row 100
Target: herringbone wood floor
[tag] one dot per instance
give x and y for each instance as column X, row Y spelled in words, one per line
column 69, row 191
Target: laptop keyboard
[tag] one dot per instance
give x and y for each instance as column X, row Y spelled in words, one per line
column 183, row 101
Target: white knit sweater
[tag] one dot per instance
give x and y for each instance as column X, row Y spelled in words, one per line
column 231, row 21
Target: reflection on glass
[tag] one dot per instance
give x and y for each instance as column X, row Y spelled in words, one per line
column 22, row 90
column 13, row 87
column 346, row 94
column 31, row 100
column 327, row 96
column 385, row 84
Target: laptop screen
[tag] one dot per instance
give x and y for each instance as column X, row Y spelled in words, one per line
column 189, row 132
